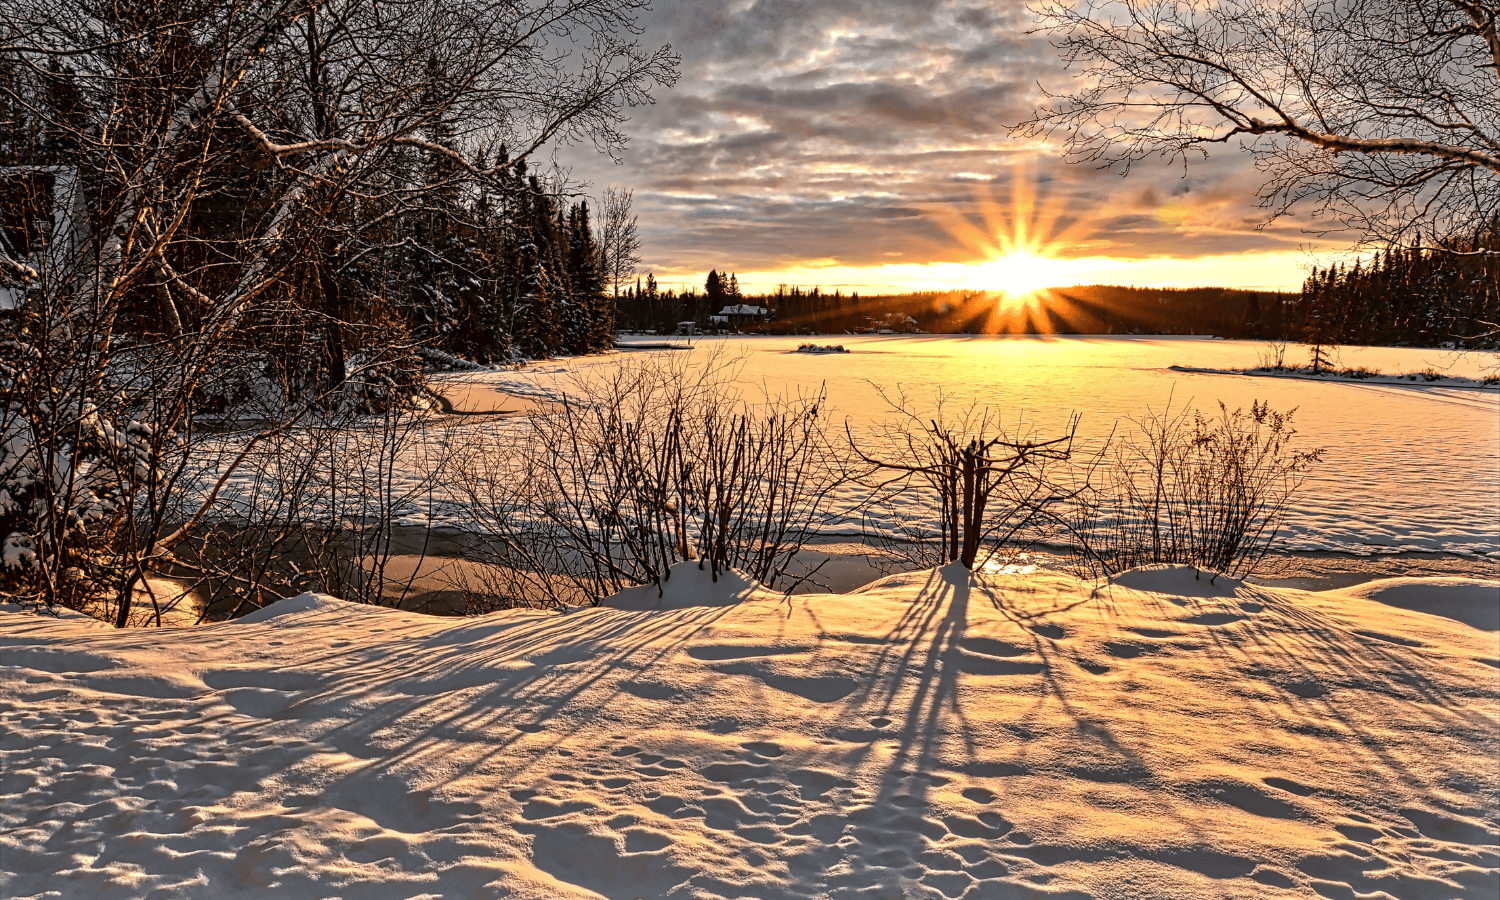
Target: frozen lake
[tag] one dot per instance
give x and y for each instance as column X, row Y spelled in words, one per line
column 1406, row 468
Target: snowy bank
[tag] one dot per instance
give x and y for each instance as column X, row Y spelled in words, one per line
column 1430, row 378
column 936, row 735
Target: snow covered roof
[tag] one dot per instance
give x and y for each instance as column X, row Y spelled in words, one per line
column 743, row 309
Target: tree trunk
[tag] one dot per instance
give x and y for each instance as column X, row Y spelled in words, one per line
column 970, row 506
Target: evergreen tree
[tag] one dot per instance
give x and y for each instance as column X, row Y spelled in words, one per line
column 714, row 287
column 537, row 318
column 439, row 294
column 596, row 309
column 1405, row 295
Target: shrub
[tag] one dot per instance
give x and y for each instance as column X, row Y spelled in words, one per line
column 989, row 487
column 1187, row 489
column 1273, row 356
column 655, row 462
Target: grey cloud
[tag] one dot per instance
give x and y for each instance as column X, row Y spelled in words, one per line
column 813, row 129
column 873, row 114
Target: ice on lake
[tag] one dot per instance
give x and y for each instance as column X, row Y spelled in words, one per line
column 1406, row 467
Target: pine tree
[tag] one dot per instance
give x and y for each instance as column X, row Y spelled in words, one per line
column 594, row 305
column 538, row 331
column 713, row 298
column 438, row 293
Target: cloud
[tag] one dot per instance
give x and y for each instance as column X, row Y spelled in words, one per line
column 848, row 130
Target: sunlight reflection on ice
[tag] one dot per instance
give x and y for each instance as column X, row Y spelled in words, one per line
column 990, row 568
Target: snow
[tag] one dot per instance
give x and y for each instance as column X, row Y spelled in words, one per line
column 17, row 551
column 936, row 734
column 302, row 603
column 1431, row 378
column 1184, row 581
column 691, row 586
column 1475, row 603
column 1391, row 481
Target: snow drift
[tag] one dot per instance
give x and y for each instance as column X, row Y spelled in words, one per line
column 937, row 734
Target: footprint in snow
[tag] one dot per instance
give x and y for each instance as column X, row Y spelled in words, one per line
column 1123, row 650
column 1212, row 619
column 993, row 647
column 763, row 748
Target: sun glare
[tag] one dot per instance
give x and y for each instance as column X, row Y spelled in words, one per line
column 1021, row 245
column 1018, row 274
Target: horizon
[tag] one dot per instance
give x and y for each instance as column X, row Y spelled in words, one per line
column 755, row 285
column 686, row 287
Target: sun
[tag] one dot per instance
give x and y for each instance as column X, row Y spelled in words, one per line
column 1021, row 246
column 1019, row 274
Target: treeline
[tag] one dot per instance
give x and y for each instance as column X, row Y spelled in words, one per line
column 512, row 272
column 1406, row 295
column 1402, row 296
column 1097, row 309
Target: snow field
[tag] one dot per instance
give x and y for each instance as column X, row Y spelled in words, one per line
column 936, row 734
column 1408, row 467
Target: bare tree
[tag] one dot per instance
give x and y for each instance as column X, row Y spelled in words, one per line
column 990, row 486
column 1383, row 115
column 227, row 162
column 620, row 243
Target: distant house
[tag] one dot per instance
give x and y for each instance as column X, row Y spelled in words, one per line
column 740, row 313
column 893, row 323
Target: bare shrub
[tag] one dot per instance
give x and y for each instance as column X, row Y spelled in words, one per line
column 763, row 484
column 314, row 507
column 656, row 462
column 990, row 487
column 1273, row 356
column 105, row 456
column 1209, row 492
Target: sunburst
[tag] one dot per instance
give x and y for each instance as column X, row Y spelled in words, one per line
column 1020, row 248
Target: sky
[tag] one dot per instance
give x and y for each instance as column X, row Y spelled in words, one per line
column 867, row 146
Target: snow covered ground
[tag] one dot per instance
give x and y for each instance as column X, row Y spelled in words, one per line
column 1409, row 467
column 1430, row 378
column 935, row 735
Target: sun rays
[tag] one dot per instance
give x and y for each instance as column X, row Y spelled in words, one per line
column 1020, row 243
